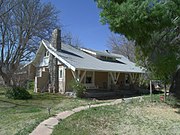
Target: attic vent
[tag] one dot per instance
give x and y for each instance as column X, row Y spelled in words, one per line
column 107, row 51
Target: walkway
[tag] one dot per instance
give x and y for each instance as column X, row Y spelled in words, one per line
column 46, row 127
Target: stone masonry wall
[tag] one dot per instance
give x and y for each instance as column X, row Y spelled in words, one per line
column 53, row 68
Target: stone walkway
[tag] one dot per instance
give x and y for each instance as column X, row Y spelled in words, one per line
column 46, row 127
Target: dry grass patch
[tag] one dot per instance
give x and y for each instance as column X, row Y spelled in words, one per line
column 133, row 118
column 163, row 111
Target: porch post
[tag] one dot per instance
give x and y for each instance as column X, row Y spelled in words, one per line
column 93, row 78
column 115, row 77
column 130, row 77
column 74, row 74
column 112, row 77
column 133, row 77
column 77, row 76
column 82, row 76
column 136, row 77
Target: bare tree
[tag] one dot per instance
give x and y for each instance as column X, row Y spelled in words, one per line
column 8, row 8
column 120, row 45
column 69, row 39
column 21, row 28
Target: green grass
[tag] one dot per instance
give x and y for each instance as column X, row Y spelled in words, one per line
column 20, row 117
column 134, row 118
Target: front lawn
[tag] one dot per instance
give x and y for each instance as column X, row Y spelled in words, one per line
column 22, row 116
column 134, row 118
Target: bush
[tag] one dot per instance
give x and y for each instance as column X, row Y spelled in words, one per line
column 78, row 88
column 30, row 85
column 18, row 93
column 171, row 100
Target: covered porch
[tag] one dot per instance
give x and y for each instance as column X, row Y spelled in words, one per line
column 106, row 81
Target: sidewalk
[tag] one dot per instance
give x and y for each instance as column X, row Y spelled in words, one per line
column 46, row 127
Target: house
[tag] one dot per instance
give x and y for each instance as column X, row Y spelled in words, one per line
column 56, row 65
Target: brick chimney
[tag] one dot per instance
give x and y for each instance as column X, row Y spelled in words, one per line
column 56, row 39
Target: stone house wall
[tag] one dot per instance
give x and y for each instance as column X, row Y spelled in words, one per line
column 31, row 72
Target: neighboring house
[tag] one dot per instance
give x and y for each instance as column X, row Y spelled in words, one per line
column 19, row 77
column 56, row 65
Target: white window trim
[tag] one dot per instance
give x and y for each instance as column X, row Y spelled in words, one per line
column 61, row 69
column 46, row 54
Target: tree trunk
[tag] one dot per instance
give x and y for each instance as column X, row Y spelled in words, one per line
column 6, row 79
column 7, row 76
column 175, row 86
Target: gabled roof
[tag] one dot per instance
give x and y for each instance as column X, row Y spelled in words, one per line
column 78, row 59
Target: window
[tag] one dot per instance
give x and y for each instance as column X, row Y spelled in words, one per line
column 60, row 73
column 127, row 79
column 46, row 54
column 108, row 59
column 89, row 77
column 103, row 57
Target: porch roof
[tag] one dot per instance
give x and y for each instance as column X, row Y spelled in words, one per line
column 77, row 59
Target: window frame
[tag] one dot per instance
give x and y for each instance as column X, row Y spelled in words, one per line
column 46, row 54
column 60, row 73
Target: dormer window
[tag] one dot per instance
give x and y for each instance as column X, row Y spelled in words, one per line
column 105, row 58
